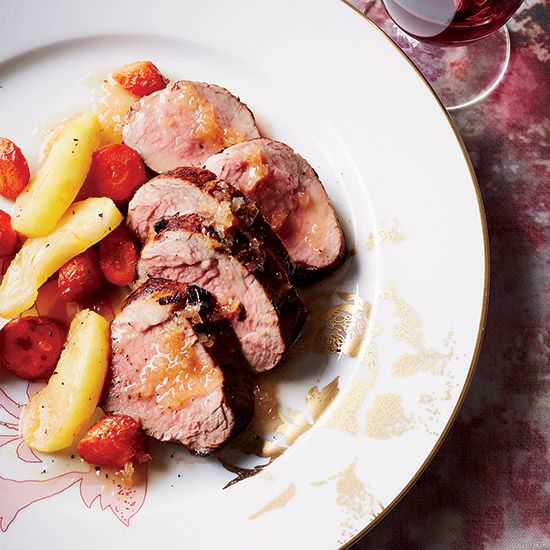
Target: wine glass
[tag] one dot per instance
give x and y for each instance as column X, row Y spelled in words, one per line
column 470, row 70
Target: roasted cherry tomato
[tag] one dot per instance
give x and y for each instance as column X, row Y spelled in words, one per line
column 80, row 276
column 30, row 346
column 9, row 240
column 114, row 441
column 116, row 172
column 140, row 78
column 118, row 255
column 14, row 169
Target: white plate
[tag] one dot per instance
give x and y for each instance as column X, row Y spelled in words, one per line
column 394, row 333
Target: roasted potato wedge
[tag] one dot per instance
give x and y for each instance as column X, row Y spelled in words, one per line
column 85, row 224
column 57, row 414
column 46, row 198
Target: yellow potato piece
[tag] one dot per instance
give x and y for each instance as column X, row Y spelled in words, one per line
column 57, row 414
column 44, row 201
column 85, row 224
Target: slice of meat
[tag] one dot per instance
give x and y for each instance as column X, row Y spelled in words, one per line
column 188, row 190
column 291, row 198
column 181, row 191
column 185, row 123
column 244, row 276
column 177, row 367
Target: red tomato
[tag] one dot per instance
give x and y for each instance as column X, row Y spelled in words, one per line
column 9, row 240
column 80, row 276
column 140, row 78
column 116, row 172
column 14, row 170
column 114, row 441
column 30, row 346
column 118, row 255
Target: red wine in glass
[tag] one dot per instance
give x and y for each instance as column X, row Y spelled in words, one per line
column 473, row 67
column 448, row 22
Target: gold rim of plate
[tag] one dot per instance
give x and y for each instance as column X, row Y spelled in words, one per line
column 483, row 316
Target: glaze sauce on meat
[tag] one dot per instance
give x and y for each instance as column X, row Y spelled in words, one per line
column 176, row 373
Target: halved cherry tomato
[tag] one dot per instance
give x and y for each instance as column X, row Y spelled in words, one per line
column 80, row 276
column 140, row 78
column 118, row 255
column 113, row 442
column 116, row 172
column 30, row 346
column 9, row 240
column 14, row 169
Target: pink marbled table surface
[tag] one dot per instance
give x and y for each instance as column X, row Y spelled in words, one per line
column 488, row 487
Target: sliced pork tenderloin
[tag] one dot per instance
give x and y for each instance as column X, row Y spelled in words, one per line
column 241, row 272
column 292, row 200
column 177, row 367
column 185, row 123
column 188, row 190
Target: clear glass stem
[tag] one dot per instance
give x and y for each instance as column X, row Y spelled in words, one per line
column 460, row 75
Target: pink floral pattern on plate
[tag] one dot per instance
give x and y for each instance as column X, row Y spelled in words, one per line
column 18, row 494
